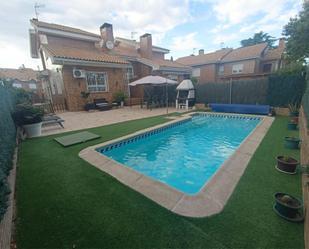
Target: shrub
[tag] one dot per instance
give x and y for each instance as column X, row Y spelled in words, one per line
column 27, row 114
column 119, row 96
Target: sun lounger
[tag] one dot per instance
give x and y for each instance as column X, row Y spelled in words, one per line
column 52, row 119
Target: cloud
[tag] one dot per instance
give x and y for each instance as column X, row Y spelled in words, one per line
column 152, row 16
column 185, row 42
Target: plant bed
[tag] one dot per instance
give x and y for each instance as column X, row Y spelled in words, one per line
column 29, row 118
column 288, row 207
column 286, row 164
column 291, row 142
column 292, row 126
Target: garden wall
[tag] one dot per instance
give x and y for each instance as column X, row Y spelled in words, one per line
column 276, row 90
column 7, row 143
column 304, row 154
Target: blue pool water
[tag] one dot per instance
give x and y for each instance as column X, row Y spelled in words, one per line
column 185, row 156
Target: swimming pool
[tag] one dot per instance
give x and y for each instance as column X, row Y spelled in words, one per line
column 187, row 154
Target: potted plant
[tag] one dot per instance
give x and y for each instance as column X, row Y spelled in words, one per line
column 88, row 106
column 292, row 125
column 29, row 118
column 119, row 97
column 294, row 109
column 291, row 142
column 287, row 164
column 288, row 207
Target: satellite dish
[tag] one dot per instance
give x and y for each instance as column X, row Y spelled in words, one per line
column 101, row 43
column 109, row 44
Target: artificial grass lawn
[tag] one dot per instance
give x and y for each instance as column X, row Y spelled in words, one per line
column 63, row 202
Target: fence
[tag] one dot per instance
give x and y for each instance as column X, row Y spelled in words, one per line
column 305, row 100
column 275, row 91
column 7, row 143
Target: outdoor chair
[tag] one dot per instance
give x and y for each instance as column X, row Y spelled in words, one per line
column 102, row 104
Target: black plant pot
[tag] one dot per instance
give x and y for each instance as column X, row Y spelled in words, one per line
column 288, row 207
column 288, row 167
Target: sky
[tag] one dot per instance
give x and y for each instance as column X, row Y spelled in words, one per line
column 183, row 26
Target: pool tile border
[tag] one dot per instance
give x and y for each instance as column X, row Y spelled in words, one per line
column 212, row 197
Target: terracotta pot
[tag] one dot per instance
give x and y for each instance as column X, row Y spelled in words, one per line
column 287, row 166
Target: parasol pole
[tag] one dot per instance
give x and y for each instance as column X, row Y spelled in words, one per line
column 166, row 93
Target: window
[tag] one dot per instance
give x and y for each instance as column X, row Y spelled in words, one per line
column 221, row 69
column 237, row 68
column 32, row 86
column 172, row 77
column 196, row 72
column 130, row 73
column 267, row 68
column 96, row 82
column 17, row 85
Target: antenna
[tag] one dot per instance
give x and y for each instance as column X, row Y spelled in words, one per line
column 133, row 33
column 36, row 7
column 194, row 49
column 222, row 45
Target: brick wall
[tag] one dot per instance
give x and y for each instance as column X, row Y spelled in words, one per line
column 249, row 67
column 73, row 87
column 207, row 73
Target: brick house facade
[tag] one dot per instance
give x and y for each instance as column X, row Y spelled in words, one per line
column 107, row 64
column 242, row 63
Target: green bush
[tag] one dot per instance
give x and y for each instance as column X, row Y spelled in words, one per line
column 7, row 142
column 119, row 96
column 27, row 114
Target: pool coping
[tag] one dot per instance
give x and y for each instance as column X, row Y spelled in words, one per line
column 211, row 198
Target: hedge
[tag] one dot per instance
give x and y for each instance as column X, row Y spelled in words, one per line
column 276, row 90
column 7, row 143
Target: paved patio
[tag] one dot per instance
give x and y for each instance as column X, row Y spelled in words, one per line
column 83, row 120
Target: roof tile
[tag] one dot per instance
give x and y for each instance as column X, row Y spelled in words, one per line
column 85, row 54
column 204, row 58
column 22, row 74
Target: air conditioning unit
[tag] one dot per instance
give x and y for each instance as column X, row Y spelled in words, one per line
column 78, row 73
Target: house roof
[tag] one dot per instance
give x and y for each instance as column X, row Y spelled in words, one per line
column 41, row 24
column 202, row 59
column 136, row 45
column 85, row 54
column 243, row 53
column 22, row 74
column 159, row 64
column 274, row 54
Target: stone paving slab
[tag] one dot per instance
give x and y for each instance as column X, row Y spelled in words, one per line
column 213, row 196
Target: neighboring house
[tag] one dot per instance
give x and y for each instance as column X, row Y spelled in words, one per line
column 205, row 66
column 80, row 61
column 25, row 78
column 250, row 62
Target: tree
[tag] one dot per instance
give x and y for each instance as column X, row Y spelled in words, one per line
column 297, row 35
column 258, row 38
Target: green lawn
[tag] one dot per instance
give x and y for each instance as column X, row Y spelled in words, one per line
column 63, row 202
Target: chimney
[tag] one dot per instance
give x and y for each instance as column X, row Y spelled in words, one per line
column 281, row 43
column 201, row 51
column 106, row 31
column 146, row 46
